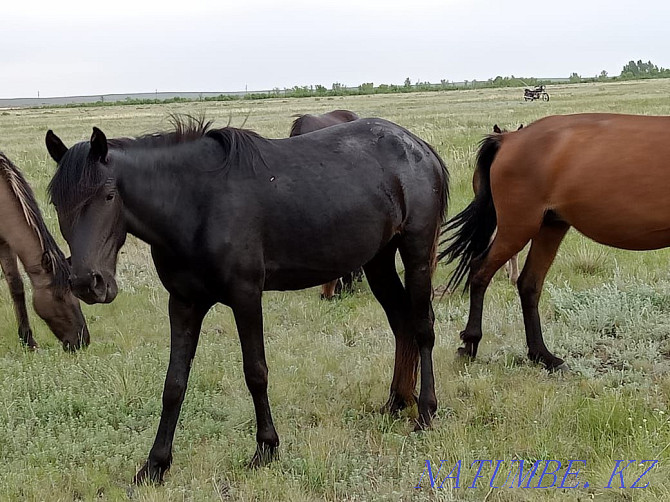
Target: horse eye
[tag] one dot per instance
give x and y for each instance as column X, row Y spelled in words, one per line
column 110, row 196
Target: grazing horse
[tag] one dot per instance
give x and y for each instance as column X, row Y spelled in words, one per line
column 229, row 214
column 604, row 174
column 512, row 265
column 310, row 123
column 24, row 235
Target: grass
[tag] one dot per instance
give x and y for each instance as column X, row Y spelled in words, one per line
column 76, row 427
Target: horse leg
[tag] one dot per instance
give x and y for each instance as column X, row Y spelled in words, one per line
column 348, row 283
column 418, row 259
column 248, row 314
column 10, row 268
column 390, row 293
column 512, row 268
column 185, row 322
column 328, row 290
column 540, row 257
column 482, row 270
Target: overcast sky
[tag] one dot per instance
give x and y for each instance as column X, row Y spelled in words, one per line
column 124, row 46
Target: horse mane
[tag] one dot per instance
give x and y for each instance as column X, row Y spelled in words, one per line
column 52, row 256
column 74, row 184
column 187, row 128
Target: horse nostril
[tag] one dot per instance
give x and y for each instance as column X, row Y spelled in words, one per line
column 96, row 279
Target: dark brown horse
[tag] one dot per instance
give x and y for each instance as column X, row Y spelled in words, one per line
column 229, row 214
column 24, row 236
column 606, row 175
column 310, row 123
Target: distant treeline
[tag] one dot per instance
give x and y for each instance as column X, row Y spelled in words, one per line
column 631, row 71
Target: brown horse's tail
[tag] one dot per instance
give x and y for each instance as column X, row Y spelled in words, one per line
column 473, row 227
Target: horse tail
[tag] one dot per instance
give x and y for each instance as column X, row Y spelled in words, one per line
column 474, row 226
column 444, row 202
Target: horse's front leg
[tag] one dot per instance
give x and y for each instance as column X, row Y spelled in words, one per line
column 185, row 322
column 249, row 319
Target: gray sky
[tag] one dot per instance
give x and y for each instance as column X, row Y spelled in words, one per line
column 77, row 47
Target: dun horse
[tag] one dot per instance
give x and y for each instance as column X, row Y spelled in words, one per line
column 310, row 123
column 229, row 214
column 23, row 234
column 604, row 174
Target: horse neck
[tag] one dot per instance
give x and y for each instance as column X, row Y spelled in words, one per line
column 149, row 192
column 21, row 237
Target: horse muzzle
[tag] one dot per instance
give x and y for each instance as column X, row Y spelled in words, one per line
column 93, row 287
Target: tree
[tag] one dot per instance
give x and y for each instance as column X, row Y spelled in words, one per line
column 640, row 69
column 366, row 88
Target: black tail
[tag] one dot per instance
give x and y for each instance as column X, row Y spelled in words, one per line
column 474, row 226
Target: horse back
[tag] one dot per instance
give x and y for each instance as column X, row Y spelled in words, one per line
column 605, row 174
column 309, row 123
column 360, row 183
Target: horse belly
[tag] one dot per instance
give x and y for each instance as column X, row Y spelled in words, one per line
column 632, row 235
column 315, row 254
column 640, row 222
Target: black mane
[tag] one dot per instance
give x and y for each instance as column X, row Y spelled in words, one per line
column 74, row 183
column 52, row 256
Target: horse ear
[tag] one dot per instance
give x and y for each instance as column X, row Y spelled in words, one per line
column 496, row 129
column 55, row 146
column 98, row 145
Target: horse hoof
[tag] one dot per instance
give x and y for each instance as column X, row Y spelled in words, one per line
column 150, row 474
column 422, row 424
column 396, row 404
column 562, row 368
column 462, row 352
column 263, row 456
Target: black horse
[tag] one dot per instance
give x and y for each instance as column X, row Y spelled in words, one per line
column 304, row 124
column 229, row 214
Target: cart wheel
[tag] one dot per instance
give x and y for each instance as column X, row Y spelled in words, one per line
column 545, row 96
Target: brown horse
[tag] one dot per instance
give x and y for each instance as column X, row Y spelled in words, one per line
column 23, row 234
column 512, row 265
column 604, row 174
column 310, row 123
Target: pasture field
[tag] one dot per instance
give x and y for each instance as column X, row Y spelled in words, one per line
column 77, row 427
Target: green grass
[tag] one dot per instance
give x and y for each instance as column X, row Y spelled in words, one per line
column 76, row 427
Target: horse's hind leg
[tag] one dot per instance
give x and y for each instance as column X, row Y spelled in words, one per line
column 328, row 290
column 389, row 291
column 10, row 268
column 512, row 268
column 482, row 269
column 418, row 257
column 348, row 283
column 540, row 257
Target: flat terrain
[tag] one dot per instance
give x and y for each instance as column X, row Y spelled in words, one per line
column 76, row 427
